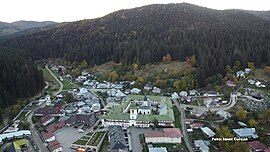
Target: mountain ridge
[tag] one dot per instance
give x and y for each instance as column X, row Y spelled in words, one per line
column 19, row 26
column 145, row 34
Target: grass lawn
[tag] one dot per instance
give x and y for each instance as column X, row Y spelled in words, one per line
column 96, row 138
column 172, row 147
column 141, row 97
column 105, row 144
column 262, row 74
column 22, row 116
column 67, row 85
column 176, row 117
column 80, row 142
column 49, row 78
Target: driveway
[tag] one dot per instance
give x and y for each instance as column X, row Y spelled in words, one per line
column 134, row 140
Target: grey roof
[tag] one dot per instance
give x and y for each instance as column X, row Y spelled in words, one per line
column 163, row 109
column 202, row 145
column 116, row 137
column 208, row 132
column 158, row 149
column 86, row 119
column 198, row 111
column 246, row 132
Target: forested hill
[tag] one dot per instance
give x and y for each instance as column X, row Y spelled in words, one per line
column 145, row 34
column 19, row 76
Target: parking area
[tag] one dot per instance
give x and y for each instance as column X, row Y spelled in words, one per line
column 134, row 138
column 67, row 136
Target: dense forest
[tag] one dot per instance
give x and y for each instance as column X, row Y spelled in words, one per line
column 145, row 34
column 19, row 77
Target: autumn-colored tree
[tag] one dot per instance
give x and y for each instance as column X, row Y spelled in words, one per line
column 224, row 132
column 240, row 146
column 251, row 65
column 241, row 114
column 67, row 72
column 176, row 85
column 83, row 65
column 114, row 76
column 76, row 73
column 135, row 66
column 69, row 97
column 167, row 58
column 193, row 60
column 228, row 69
column 252, row 123
column 140, row 79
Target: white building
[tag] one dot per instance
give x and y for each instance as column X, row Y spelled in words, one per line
column 17, row 134
column 95, row 107
column 208, row 132
column 169, row 135
column 224, row 114
column 135, row 91
column 156, row 90
column 175, row 96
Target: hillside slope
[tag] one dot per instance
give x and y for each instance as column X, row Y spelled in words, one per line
column 145, row 34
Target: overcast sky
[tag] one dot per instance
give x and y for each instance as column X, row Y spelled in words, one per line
column 73, row 10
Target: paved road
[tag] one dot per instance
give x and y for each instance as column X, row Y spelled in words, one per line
column 42, row 146
column 134, row 133
column 184, row 129
column 181, row 107
column 38, row 141
column 233, row 100
column 60, row 83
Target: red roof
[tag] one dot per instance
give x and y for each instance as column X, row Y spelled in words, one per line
column 45, row 118
column 56, row 147
column 167, row 132
column 46, row 135
column 56, row 126
column 196, row 125
column 53, row 143
column 257, row 145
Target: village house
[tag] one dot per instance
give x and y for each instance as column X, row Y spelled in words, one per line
column 224, row 114
column 202, row 145
column 175, row 96
column 246, row 133
column 49, row 111
column 117, row 139
column 207, row 131
column 196, row 125
column 256, row 146
column 46, row 120
column 135, row 91
column 169, row 135
column 156, row 90
column 88, row 120
column 47, row 136
column 197, row 112
column 55, row 146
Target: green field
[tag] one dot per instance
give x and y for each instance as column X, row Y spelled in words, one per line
column 67, row 85
column 91, row 139
column 54, row 85
column 172, row 147
column 176, row 116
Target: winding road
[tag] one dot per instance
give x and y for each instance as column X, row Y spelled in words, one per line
column 42, row 146
column 182, row 107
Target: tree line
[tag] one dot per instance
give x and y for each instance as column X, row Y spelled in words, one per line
column 19, row 76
